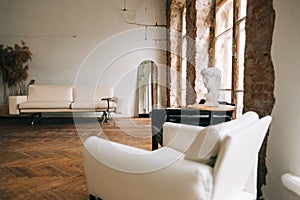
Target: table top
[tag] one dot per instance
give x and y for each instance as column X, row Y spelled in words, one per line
column 219, row 107
column 107, row 98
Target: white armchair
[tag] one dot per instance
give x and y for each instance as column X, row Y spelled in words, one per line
column 214, row 163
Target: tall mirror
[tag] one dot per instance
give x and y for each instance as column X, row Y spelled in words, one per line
column 147, row 87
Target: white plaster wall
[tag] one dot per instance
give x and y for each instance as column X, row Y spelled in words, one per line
column 283, row 153
column 63, row 35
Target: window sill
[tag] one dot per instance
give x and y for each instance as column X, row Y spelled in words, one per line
column 292, row 182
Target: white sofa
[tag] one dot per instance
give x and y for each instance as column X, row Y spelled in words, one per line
column 181, row 169
column 59, row 98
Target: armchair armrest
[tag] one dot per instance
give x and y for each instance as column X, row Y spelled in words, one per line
column 14, row 104
column 163, row 171
column 127, row 158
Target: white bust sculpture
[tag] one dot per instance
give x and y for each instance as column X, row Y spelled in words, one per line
column 212, row 81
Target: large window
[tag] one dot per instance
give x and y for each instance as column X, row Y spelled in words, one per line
column 229, row 49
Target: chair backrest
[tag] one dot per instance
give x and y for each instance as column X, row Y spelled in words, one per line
column 240, row 123
column 182, row 135
column 237, row 156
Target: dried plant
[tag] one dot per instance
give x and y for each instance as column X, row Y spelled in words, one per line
column 14, row 68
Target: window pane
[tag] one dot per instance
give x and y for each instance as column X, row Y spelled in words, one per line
column 240, row 61
column 183, row 71
column 223, row 52
column 183, row 60
column 239, row 104
column 224, row 17
column 242, row 9
column 241, row 50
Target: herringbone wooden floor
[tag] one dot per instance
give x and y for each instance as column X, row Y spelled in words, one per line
column 44, row 161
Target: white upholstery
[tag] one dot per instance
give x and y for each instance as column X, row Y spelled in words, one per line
column 48, row 110
column 200, row 140
column 111, row 182
column 174, row 136
column 89, row 94
column 236, row 158
column 14, row 103
column 179, row 136
column 232, row 126
column 50, row 93
column 116, row 171
column 44, row 104
column 205, row 146
column 93, row 105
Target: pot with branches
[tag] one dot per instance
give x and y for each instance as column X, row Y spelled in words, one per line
column 14, row 67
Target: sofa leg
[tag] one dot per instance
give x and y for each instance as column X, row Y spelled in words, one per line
column 32, row 118
column 105, row 118
column 32, row 121
column 92, row 197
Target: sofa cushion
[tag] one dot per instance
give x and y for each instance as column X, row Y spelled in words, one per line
column 92, row 105
column 205, row 146
column 90, row 93
column 44, row 104
column 49, row 93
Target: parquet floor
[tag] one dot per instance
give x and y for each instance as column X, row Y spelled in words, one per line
column 44, row 161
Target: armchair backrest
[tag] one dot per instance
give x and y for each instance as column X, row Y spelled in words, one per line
column 241, row 148
column 240, row 123
column 180, row 136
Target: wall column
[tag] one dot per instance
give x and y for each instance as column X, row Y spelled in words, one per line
column 174, row 24
column 200, row 40
column 191, row 51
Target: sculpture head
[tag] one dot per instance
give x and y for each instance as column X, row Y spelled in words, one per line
column 212, row 78
column 212, row 81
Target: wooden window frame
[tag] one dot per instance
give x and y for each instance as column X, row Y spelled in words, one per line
column 235, row 47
